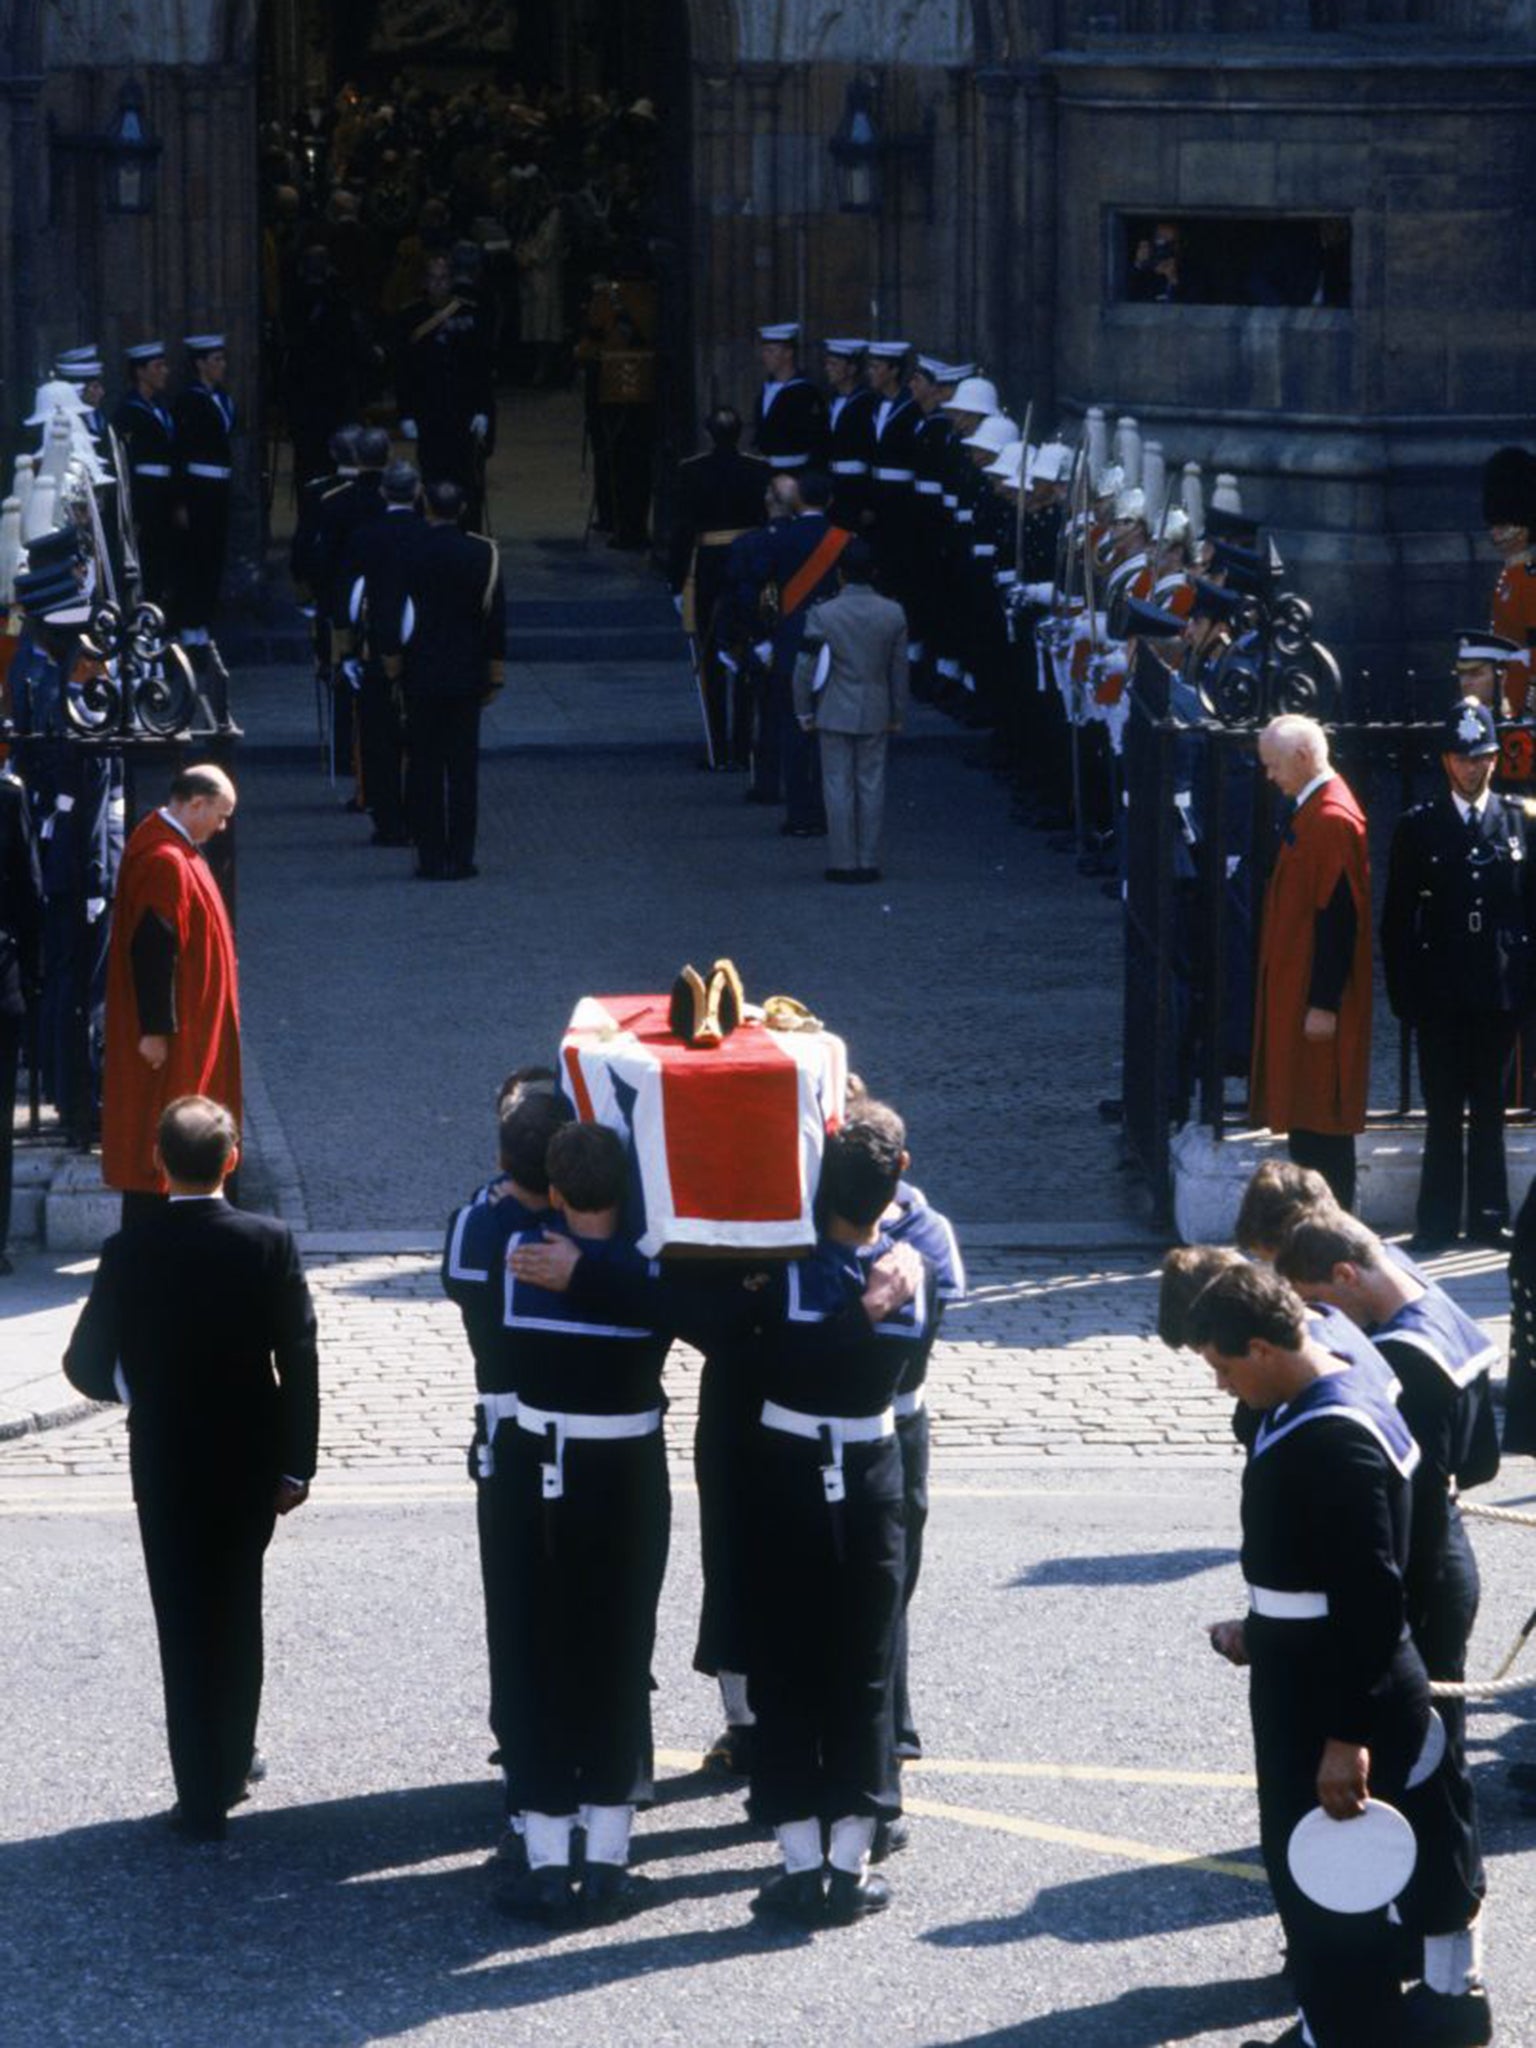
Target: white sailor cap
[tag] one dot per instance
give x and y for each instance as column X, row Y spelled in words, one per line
column 931, row 367
column 994, row 434
column 843, row 345
column 959, row 373
column 974, row 394
column 889, row 351
column 144, row 352
column 79, row 369
column 1479, row 645
column 51, row 398
column 1131, row 504
column 785, row 330
column 204, row 344
column 1009, row 463
column 87, row 352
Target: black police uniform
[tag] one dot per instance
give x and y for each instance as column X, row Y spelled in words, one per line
column 451, row 638
column 205, row 423
column 1457, row 945
column 589, row 1513
column 444, row 378
column 789, row 426
column 1442, row 1359
column 473, row 1276
column 148, row 434
column 370, row 587
column 851, row 452
column 720, row 496
column 1326, row 1513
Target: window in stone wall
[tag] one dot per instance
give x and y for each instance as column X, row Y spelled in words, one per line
column 1231, row 259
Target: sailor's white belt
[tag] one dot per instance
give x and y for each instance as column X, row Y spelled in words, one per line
column 964, row 516
column 496, row 1409
column 1007, row 576
column 983, row 550
column 151, row 469
column 586, row 1428
column 788, row 461
column 850, row 469
column 894, row 476
column 927, row 488
column 911, row 1403
column 843, row 1429
column 211, row 470
column 950, row 501
column 1274, row 1605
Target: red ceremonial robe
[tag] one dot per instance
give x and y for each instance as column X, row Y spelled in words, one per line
column 164, row 875
column 1299, row 1084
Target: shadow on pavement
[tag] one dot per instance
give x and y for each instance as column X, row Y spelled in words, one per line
column 1148, row 2017
column 1125, row 1906
column 317, row 1923
column 1129, row 1568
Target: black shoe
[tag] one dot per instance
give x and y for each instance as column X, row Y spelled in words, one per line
column 431, row 871
column 853, row 1897
column 891, row 1837
column 609, row 1892
column 867, row 875
column 789, row 831
column 208, row 1827
column 389, row 838
column 799, row 1899
column 5, row 1265
column 462, row 871
column 511, row 1851
column 354, row 805
column 1432, row 2018
column 1289, row 2039
column 730, row 1754
column 547, row 1896
column 1497, row 1237
column 757, row 796
column 839, row 874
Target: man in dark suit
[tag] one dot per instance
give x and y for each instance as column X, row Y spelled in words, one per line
column 448, row 648
column 199, row 1318
column 1458, row 941
column 21, row 932
column 720, row 496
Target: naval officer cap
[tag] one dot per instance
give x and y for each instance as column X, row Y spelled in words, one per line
column 1478, row 646
column 58, row 548
column 52, row 594
column 204, row 344
column 144, row 352
column 783, row 330
column 844, row 347
column 1469, row 731
column 889, row 351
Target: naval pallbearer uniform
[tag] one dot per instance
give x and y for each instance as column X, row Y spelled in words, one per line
column 789, row 422
column 1457, row 944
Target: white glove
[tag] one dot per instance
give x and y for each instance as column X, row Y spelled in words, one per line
column 479, row 426
column 353, row 671
column 763, row 649
column 1039, row 593
column 677, row 602
column 408, row 430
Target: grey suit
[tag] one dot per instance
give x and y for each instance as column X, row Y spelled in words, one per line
column 858, row 642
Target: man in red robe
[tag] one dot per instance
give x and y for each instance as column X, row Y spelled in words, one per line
column 173, row 1016
column 1312, row 1011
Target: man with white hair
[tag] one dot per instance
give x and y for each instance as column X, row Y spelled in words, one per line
column 1312, row 1008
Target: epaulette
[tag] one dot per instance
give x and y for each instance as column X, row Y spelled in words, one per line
column 336, row 489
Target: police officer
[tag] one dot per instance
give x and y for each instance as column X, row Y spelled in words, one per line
column 205, row 422
column 789, row 424
column 721, row 495
column 146, row 426
column 1456, row 933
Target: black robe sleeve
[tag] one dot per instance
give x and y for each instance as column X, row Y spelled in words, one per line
column 1349, row 1504
column 296, row 1359
column 1333, row 948
column 152, row 954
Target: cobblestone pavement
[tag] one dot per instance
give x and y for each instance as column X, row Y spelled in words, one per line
column 1042, row 1364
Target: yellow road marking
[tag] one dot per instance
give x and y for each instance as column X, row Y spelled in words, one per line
column 1077, row 1838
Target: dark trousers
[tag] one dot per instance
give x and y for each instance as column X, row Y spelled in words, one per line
column 912, row 1435
column 201, row 549
column 495, row 1526
column 1330, row 1154
column 826, row 1601
column 10, row 1059
column 1447, row 1888
column 590, row 1567
column 770, row 699
column 1520, row 1394
column 381, row 750
column 1464, row 1073
column 442, row 778
column 804, row 808
column 203, row 1551
column 722, row 1443
column 728, row 709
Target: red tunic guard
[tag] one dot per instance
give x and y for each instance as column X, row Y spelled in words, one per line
column 166, row 879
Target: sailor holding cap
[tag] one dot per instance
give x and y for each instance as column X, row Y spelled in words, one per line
column 205, row 421
column 145, row 425
column 1457, row 935
column 789, row 426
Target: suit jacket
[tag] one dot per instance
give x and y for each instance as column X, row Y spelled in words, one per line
column 455, row 636
column 865, row 636
column 200, row 1317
